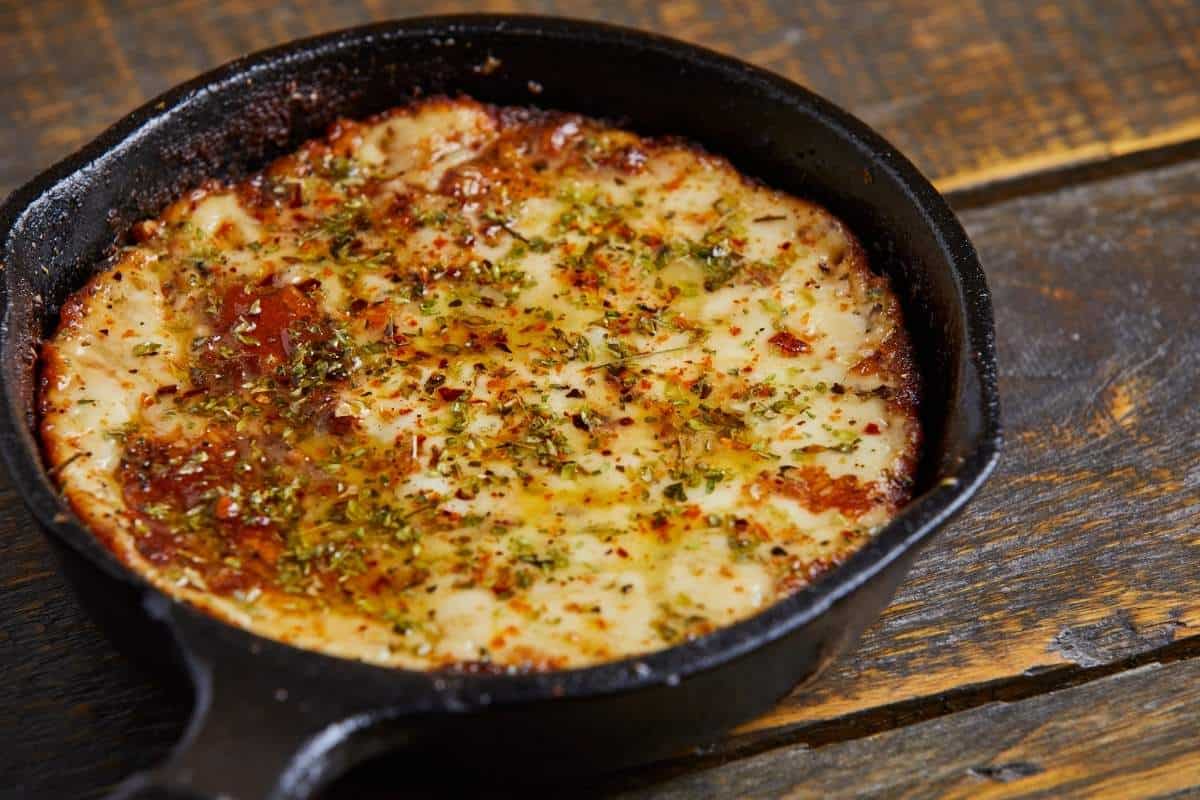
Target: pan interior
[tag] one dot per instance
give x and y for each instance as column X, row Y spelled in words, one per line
column 234, row 121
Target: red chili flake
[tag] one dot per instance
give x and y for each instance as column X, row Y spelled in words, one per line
column 871, row 428
column 622, row 552
column 450, row 395
column 734, row 330
column 789, row 344
column 226, row 508
column 342, row 425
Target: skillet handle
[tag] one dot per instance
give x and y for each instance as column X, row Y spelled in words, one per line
column 258, row 730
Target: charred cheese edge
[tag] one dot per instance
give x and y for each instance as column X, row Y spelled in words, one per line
column 462, row 386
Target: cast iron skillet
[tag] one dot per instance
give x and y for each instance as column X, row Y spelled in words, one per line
column 275, row 721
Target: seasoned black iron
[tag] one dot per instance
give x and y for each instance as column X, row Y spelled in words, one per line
column 275, row 721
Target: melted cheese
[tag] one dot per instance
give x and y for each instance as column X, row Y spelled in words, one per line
column 473, row 385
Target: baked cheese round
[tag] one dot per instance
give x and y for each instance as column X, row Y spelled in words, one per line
column 473, row 387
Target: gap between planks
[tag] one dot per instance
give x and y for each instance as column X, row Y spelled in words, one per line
column 894, row 716
column 1128, row 735
column 1044, row 173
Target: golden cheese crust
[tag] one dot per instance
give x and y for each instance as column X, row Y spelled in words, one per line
column 464, row 385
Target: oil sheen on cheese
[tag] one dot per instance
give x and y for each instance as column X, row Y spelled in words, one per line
column 462, row 386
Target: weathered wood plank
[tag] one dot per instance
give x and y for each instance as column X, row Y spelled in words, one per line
column 1129, row 735
column 975, row 92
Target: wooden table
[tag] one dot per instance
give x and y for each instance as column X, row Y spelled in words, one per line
column 1047, row 644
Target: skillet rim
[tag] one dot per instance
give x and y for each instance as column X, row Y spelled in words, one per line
column 916, row 522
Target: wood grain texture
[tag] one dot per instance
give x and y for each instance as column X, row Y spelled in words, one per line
column 1081, row 553
column 1127, row 736
column 975, row 92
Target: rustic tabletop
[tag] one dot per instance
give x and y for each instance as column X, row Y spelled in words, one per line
column 1048, row 643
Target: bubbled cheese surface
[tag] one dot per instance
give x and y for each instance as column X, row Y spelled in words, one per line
column 462, row 385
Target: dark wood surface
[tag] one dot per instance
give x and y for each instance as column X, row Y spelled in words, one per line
column 1067, row 132
column 1132, row 734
